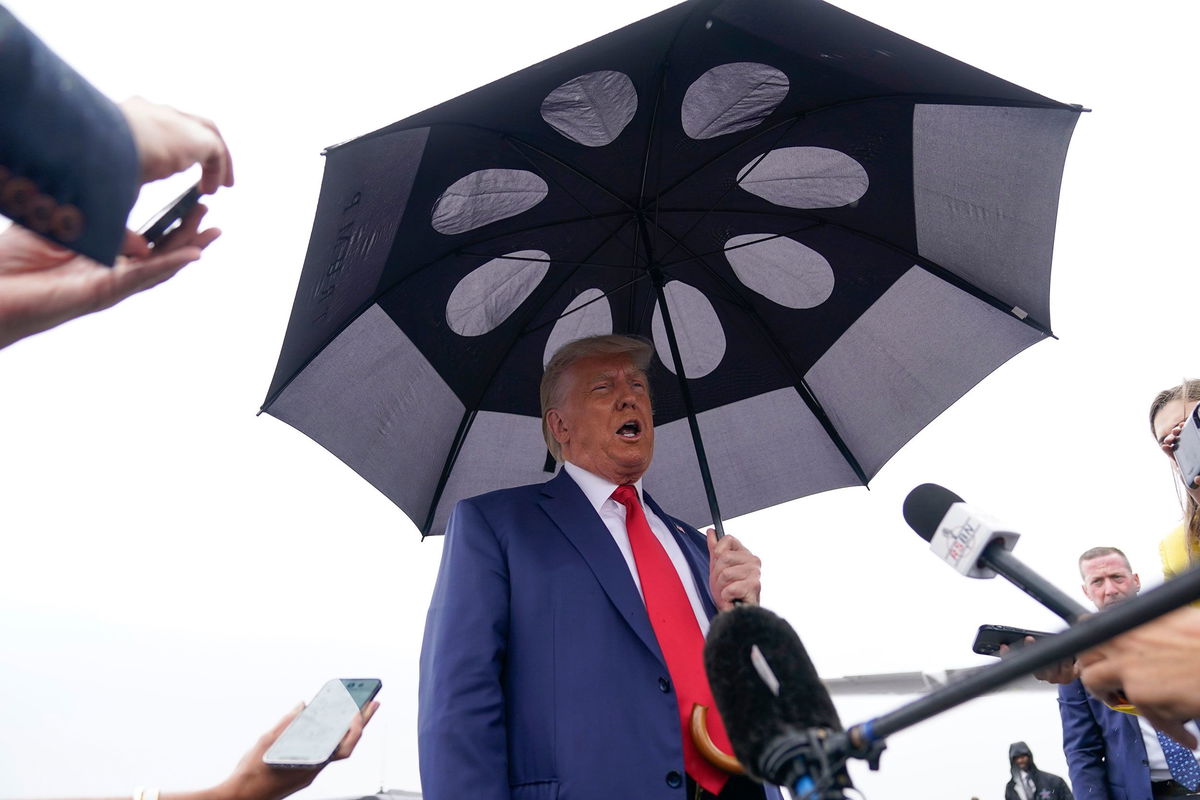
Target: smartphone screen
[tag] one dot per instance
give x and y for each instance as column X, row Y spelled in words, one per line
column 311, row 738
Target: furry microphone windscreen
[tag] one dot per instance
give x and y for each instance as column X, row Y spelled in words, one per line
column 763, row 696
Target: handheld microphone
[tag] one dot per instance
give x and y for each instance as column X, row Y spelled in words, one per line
column 978, row 547
column 779, row 716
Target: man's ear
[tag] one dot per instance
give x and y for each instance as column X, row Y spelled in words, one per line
column 557, row 425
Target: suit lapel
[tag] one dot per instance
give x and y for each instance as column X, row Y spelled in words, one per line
column 567, row 506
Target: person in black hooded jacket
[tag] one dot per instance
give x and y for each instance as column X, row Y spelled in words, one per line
column 1030, row 783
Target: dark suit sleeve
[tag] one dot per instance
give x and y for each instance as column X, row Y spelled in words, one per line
column 1083, row 743
column 461, row 717
column 68, row 163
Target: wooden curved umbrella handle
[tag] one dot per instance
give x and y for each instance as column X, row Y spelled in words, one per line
column 704, row 743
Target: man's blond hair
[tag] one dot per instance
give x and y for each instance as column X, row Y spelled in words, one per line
column 639, row 350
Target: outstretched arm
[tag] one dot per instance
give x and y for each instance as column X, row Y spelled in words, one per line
column 43, row 285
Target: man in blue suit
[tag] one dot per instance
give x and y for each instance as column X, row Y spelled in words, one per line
column 542, row 675
column 1112, row 755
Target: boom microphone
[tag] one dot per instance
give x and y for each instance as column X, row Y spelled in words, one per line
column 776, row 711
column 978, row 547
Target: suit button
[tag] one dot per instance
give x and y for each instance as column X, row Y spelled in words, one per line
column 16, row 197
column 664, row 685
column 40, row 213
column 674, row 779
column 67, row 223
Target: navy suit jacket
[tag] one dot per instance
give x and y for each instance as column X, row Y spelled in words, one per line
column 541, row 677
column 69, row 167
column 1105, row 752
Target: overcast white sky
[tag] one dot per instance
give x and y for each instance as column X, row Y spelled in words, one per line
column 176, row 572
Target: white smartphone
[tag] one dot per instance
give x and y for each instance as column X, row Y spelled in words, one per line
column 311, row 738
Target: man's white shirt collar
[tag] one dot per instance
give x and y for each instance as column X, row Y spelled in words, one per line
column 595, row 488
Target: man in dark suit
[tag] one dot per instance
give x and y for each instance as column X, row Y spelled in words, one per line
column 71, row 165
column 543, row 675
column 1113, row 755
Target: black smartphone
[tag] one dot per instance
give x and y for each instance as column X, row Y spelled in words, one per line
column 990, row 637
column 166, row 220
column 1187, row 451
column 310, row 739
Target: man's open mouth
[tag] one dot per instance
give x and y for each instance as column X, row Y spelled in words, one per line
column 630, row 429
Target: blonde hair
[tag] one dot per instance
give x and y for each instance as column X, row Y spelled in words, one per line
column 639, row 350
column 1187, row 391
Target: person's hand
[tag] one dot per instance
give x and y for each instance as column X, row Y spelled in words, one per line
column 43, row 285
column 170, row 141
column 254, row 780
column 1155, row 667
column 1060, row 672
column 733, row 572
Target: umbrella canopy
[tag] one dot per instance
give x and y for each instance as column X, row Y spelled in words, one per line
column 831, row 231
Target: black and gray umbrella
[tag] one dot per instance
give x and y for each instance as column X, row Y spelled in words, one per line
column 832, row 231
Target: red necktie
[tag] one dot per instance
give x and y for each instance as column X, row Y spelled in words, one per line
column 679, row 638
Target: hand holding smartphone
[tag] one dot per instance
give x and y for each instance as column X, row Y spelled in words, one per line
column 166, row 220
column 990, row 637
column 313, row 736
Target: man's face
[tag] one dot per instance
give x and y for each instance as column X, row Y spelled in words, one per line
column 1022, row 762
column 1108, row 580
column 603, row 419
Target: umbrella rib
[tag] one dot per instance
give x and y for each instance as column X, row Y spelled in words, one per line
column 798, row 381
column 756, row 161
column 513, row 141
column 929, row 266
column 460, row 438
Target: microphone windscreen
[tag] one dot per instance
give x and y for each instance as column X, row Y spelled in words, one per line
column 754, row 715
column 925, row 507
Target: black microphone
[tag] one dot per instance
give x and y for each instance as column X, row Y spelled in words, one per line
column 977, row 546
column 778, row 714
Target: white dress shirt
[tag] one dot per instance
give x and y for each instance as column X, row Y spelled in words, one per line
column 599, row 493
column 1156, row 760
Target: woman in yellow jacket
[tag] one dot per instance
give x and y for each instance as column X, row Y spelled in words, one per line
column 1170, row 408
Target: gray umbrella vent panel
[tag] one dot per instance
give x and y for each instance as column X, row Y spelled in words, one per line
column 793, row 457
column 489, row 294
column 732, row 98
column 781, row 269
column 916, row 351
column 362, row 398
column 511, row 440
column 486, row 196
column 986, row 185
column 805, row 177
column 697, row 328
column 592, row 109
column 589, row 314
